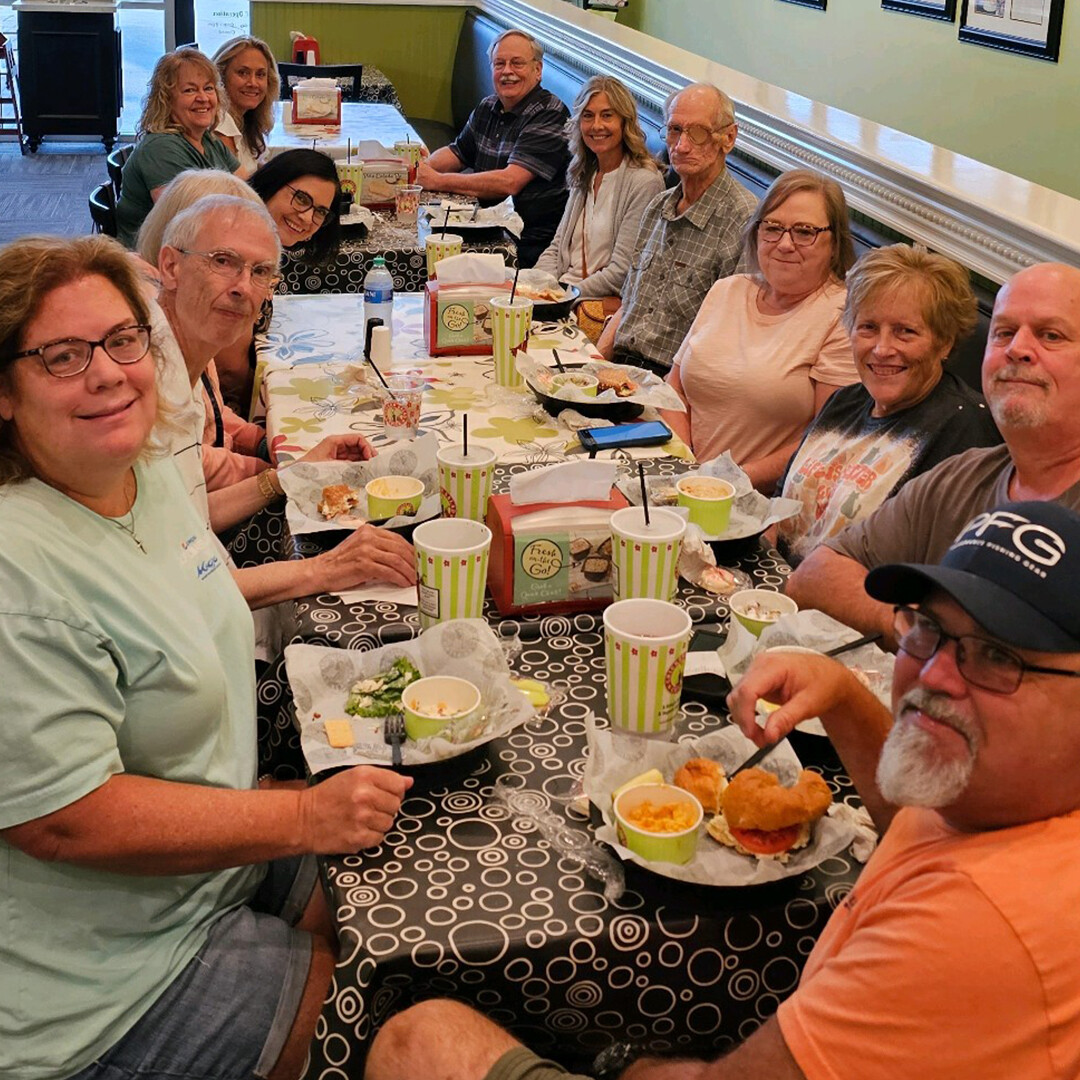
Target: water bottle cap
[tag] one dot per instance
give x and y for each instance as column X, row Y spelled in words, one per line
column 378, row 261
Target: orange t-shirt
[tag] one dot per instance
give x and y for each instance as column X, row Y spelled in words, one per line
column 956, row 955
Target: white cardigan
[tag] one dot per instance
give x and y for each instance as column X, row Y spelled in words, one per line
column 635, row 188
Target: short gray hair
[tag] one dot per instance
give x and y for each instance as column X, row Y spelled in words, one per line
column 537, row 48
column 184, row 229
column 184, row 190
column 725, row 107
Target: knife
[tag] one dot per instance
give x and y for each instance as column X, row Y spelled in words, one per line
column 755, row 758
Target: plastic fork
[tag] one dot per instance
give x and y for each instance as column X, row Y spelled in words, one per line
column 393, row 733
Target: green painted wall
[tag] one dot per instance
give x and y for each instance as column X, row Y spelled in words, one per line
column 414, row 46
column 908, row 72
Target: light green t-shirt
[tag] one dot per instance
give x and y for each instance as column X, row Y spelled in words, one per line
column 111, row 660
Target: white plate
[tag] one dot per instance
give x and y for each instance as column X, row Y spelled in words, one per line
column 713, row 863
column 320, row 677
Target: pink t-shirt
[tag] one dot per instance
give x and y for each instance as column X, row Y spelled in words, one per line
column 746, row 377
column 955, row 955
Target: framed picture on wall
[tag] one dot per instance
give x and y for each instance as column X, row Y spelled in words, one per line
column 819, row 4
column 930, row 9
column 1028, row 27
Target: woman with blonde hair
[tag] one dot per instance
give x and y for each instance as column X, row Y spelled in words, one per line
column 176, row 132
column 249, row 76
column 906, row 309
column 612, row 179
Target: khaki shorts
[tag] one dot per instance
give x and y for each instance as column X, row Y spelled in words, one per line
column 523, row 1064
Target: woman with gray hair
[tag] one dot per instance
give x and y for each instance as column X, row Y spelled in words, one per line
column 611, row 178
column 767, row 348
column 905, row 310
column 176, row 132
column 249, row 76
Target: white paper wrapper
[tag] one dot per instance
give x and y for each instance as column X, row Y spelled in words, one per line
column 566, row 482
column 809, row 630
column 751, row 512
column 652, row 390
column 614, row 759
column 467, row 216
column 304, row 482
column 320, row 678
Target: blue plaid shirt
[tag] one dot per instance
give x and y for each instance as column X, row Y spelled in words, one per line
column 533, row 136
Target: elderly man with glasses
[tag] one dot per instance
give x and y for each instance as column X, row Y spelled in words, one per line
column 955, row 954
column 690, row 236
column 514, row 143
column 1031, row 382
column 218, row 261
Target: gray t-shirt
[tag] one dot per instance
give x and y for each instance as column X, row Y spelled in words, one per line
column 926, row 515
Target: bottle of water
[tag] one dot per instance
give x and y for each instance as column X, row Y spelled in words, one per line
column 379, row 295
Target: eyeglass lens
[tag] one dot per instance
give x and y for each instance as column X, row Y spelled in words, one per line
column 231, row 266
column 982, row 663
column 303, row 202
column 698, row 134
column 801, row 235
column 127, row 345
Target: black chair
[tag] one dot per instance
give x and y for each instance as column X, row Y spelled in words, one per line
column 114, row 162
column 103, row 209
column 347, row 77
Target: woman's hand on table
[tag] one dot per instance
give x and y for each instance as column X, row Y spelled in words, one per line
column 804, row 686
column 352, row 810
column 369, row 554
column 341, row 448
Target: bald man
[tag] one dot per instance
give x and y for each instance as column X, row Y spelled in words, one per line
column 1031, row 381
column 690, row 236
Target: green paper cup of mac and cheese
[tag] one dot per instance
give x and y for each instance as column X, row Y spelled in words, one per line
column 645, row 643
column 451, row 569
column 465, row 481
column 709, row 501
column 510, row 322
column 645, row 557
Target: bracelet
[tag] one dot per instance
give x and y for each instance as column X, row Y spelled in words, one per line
column 269, row 486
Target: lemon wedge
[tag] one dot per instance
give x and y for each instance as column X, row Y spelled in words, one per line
column 653, row 776
column 761, row 705
column 535, row 691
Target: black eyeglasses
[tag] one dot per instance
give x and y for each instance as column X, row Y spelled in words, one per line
column 982, row 662
column 229, row 265
column 698, row 134
column 71, row 356
column 303, row 202
column 801, row 235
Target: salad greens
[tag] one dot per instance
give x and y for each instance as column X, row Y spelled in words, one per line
column 381, row 694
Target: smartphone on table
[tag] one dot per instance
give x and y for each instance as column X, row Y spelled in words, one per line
column 642, row 433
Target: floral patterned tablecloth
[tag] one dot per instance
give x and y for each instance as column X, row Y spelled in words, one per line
column 307, row 394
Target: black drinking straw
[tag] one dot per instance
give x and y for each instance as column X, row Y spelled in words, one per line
column 348, row 151
column 465, row 434
column 513, row 288
column 446, row 220
column 558, row 362
column 371, row 324
column 644, row 492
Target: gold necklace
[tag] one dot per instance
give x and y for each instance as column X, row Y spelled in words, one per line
column 128, row 526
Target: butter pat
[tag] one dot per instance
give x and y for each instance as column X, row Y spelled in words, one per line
column 338, row 733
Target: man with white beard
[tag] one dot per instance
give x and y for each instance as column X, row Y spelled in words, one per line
column 1031, row 381
column 957, row 953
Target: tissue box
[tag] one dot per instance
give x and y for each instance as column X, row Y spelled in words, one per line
column 316, row 101
column 551, row 557
column 381, row 179
column 457, row 318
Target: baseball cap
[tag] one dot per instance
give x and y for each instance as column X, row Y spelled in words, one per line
column 1014, row 569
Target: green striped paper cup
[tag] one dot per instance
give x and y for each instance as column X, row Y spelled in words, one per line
column 465, row 481
column 451, row 569
column 510, row 322
column 645, row 557
column 645, row 643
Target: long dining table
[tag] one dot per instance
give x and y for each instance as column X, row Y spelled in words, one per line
column 467, row 897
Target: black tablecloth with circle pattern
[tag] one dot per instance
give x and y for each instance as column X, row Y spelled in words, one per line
column 466, row 901
column 407, row 263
